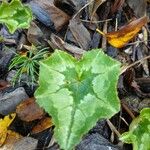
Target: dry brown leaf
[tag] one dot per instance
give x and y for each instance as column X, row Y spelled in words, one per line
column 117, row 5
column 4, row 124
column 29, row 110
column 121, row 37
column 94, row 6
column 57, row 43
column 42, row 125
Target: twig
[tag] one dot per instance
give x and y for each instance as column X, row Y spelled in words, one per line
column 83, row 8
column 124, row 121
column 123, row 69
column 104, row 41
column 113, row 128
column 137, row 42
column 96, row 21
column 127, row 110
column 10, row 41
column 116, row 25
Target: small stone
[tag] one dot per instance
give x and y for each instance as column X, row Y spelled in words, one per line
column 101, row 128
column 4, row 63
column 95, row 142
column 11, row 74
column 30, row 89
column 10, row 98
column 27, row 143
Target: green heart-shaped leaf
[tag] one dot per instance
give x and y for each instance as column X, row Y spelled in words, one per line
column 15, row 15
column 139, row 131
column 77, row 93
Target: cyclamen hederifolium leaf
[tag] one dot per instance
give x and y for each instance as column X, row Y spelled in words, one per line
column 77, row 93
column 15, row 15
column 139, row 131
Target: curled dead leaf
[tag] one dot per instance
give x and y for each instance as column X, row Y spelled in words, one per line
column 121, row 37
column 94, row 6
column 57, row 43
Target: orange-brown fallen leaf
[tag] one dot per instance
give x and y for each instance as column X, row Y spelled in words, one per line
column 121, row 37
column 42, row 125
column 29, row 110
column 4, row 124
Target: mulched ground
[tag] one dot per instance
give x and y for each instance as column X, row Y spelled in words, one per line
column 71, row 26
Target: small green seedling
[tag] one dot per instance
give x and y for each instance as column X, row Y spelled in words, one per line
column 27, row 63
